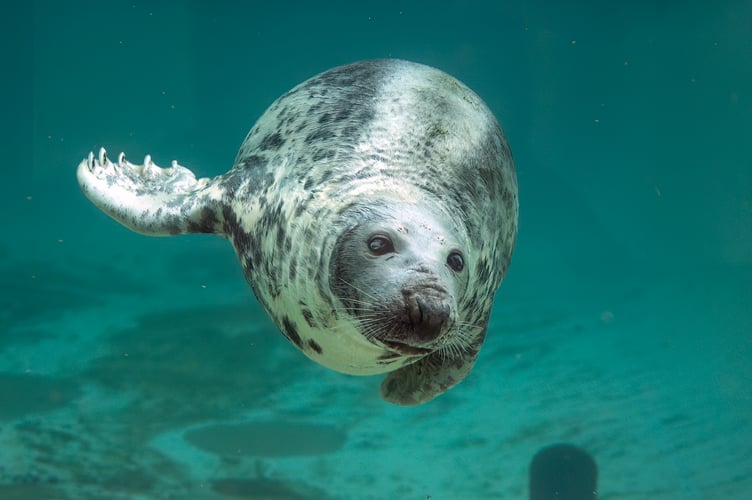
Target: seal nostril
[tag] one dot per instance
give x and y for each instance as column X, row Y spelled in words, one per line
column 414, row 308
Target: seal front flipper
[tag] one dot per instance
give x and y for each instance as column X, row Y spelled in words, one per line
column 152, row 200
column 427, row 378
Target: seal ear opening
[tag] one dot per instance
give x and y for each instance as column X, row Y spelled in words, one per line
column 427, row 378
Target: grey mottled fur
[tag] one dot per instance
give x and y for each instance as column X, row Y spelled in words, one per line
column 368, row 138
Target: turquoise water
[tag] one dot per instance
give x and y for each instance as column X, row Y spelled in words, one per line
column 134, row 367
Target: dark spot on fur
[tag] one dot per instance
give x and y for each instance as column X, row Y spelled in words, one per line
column 231, row 183
column 301, row 126
column 308, row 315
column 320, row 280
column 326, row 174
column 323, row 154
column 484, row 271
column 241, row 240
column 271, row 217
column 288, row 328
column 366, row 115
column 293, row 271
column 272, row 142
column 253, row 161
column 315, row 346
column 206, row 222
column 299, row 209
column 314, row 109
column 317, row 135
column 350, row 131
column 281, row 237
column 343, row 113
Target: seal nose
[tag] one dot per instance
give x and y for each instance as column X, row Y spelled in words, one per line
column 427, row 314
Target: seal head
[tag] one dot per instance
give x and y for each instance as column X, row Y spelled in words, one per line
column 399, row 271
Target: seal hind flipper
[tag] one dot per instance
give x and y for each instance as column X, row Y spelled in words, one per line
column 427, row 378
column 151, row 200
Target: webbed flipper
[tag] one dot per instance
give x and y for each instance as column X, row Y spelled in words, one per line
column 152, row 200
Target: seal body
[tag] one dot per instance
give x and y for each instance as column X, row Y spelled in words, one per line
column 373, row 209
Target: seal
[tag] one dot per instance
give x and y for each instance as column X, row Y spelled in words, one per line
column 373, row 209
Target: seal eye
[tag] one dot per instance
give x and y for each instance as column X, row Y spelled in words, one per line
column 455, row 262
column 380, row 245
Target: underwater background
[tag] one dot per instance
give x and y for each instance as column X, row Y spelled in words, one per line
column 134, row 367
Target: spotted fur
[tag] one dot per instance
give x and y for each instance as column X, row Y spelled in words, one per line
column 358, row 138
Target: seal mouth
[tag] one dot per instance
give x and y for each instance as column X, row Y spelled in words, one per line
column 406, row 349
